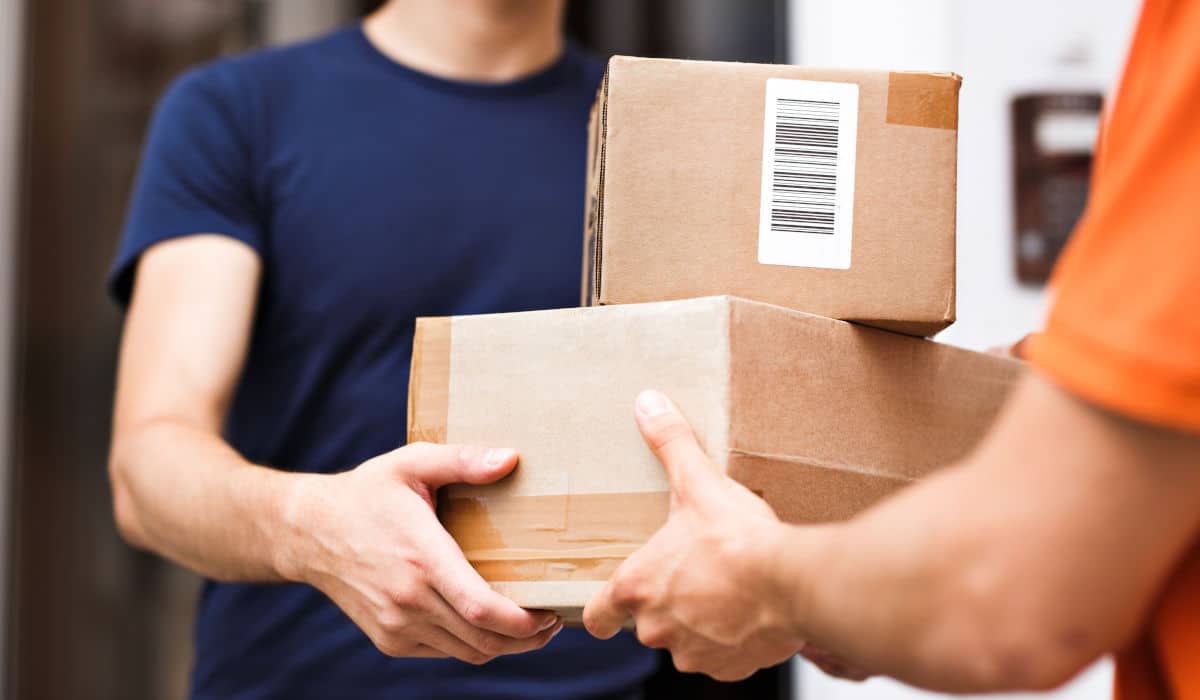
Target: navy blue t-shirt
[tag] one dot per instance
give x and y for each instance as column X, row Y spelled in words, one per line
column 373, row 194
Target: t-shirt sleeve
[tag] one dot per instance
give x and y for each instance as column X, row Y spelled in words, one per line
column 1124, row 328
column 195, row 176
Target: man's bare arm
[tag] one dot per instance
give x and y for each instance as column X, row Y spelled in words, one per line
column 178, row 488
column 368, row 538
column 1014, row 570
column 1041, row 553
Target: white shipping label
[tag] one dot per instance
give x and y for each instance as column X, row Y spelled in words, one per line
column 806, row 209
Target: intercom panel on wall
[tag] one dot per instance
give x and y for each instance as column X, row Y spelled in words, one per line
column 1054, row 137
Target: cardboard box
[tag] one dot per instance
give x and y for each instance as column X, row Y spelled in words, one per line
column 820, row 417
column 828, row 191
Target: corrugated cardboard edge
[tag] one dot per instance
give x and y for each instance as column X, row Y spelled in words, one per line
column 429, row 381
column 590, row 201
column 561, row 597
column 923, row 99
column 917, row 329
column 593, row 250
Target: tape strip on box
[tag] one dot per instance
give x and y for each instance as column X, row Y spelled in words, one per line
column 429, row 386
column 923, row 99
column 581, row 537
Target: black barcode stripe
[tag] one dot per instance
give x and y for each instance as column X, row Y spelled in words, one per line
column 804, row 176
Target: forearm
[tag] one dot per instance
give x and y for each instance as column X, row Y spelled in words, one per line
column 910, row 593
column 185, row 494
column 1036, row 555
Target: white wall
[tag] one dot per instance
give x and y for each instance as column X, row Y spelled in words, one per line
column 11, row 53
column 1001, row 48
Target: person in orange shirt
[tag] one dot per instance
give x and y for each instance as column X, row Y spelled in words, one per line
column 1072, row 532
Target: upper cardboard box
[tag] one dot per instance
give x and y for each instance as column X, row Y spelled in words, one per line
column 827, row 191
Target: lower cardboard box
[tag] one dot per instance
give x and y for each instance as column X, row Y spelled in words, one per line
column 820, row 417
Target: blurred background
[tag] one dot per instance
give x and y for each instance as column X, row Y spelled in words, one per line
column 87, row 617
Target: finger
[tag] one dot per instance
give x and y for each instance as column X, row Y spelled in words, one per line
column 602, row 617
column 447, row 644
column 422, row 651
column 669, row 436
column 412, row 645
column 1017, row 351
column 485, row 641
column 711, row 661
column 473, row 599
column 733, row 673
column 439, row 465
column 1020, row 349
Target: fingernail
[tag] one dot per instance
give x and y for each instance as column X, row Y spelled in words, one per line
column 550, row 622
column 651, row 403
column 497, row 456
column 555, row 632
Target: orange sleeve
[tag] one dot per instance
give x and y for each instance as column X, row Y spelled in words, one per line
column 1124, row 328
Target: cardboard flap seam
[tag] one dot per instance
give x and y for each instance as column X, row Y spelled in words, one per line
column 615, row 550
column 823, row 464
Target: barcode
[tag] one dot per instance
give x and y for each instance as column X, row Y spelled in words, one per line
column 805, row 166
column 810, row 143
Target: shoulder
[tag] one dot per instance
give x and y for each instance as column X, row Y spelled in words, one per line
column 256, row 76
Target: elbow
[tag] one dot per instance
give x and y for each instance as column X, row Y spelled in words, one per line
column 124, row 507
column 1032, row 661
column 1009, row 636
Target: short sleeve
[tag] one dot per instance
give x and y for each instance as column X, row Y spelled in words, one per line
column 195, row 176
column 1124, row 328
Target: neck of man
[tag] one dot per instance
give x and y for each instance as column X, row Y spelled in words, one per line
column 470, row 40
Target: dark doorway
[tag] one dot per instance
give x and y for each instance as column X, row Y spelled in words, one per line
column 88, row 616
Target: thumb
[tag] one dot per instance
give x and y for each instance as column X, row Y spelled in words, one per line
column 669, row 436
column 439, row 465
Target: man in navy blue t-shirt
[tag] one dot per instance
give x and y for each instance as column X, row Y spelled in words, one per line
column 296, row 210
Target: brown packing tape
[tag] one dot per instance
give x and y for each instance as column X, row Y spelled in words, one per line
column 429, row 386
column 581, row 537
column 923, row 99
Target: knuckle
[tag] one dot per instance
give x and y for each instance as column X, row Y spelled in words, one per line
column 393, row 621
column 490, row 645
column 653, row 636
column 389, row 646
column 466, row 454
column 405, row 596
column 730, row 548
column 667, row 430
column 425, row 571
column 686, row 663
column 730, row 675
column 478, row 658
column 413, row 452
column 476, row 613
column 628, row 590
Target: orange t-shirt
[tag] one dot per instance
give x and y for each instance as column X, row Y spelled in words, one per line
column 1124, row 328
